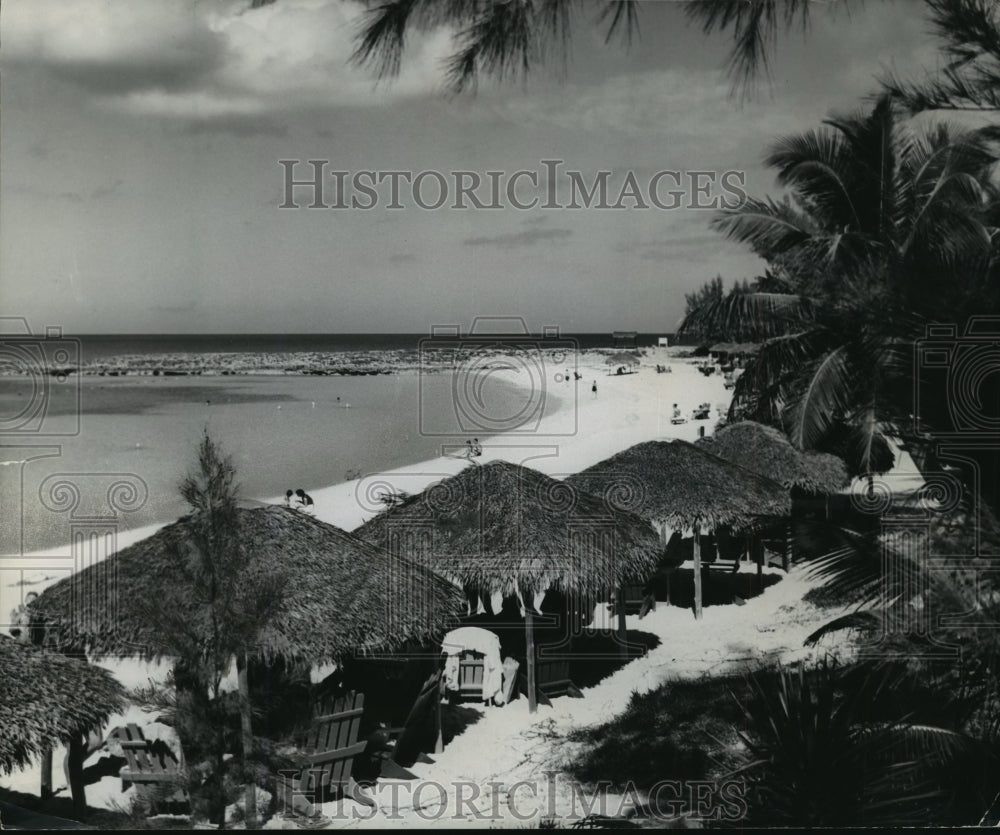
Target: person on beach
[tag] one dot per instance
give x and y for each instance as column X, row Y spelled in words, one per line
column 304, row 501
column 470, row 450
column 288, row 498
column 477, row 450
column 20, row 618
column 593, row 389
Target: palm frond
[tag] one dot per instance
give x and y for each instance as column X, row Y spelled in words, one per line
column 767, row 227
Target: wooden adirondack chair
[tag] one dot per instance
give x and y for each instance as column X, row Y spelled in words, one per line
column 150, row 764
column 327, row 755
column 471, row 671
column 551, row 680
column 147, row 762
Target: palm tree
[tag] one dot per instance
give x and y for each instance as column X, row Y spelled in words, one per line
column 883, row 228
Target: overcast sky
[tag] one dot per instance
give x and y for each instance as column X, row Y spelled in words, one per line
column 140, row 139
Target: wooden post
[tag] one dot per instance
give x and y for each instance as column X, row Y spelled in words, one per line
column 246, row 730
column 46, row 787
column 757, row 547
column 668, row 572
column 74, row 774
column 697, row 573
column 529, row 632
column 622, row 632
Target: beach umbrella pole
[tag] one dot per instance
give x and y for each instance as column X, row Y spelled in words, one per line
column 246, row 730
column 46, row 787
column 697, row 574
column 529, row 632
column 74, row 774
column 622, row 643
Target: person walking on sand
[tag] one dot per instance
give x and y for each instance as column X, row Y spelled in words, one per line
column 593, row 389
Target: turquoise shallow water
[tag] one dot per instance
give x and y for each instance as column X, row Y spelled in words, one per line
column 281, row 431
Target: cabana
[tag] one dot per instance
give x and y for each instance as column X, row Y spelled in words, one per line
column 48, row 699
column 334, row 593
column 768, row 452
column 733, row 351
column 680, row 487
column 505, row 528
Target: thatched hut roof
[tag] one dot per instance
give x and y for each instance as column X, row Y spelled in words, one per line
column 767, row 452
column 337, row 593
column 622, row 358
column 735, row 348
column 677, row 484
column 501, row 525
column 47, row 698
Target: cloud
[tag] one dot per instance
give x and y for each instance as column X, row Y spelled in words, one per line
column 529, row 237
column 210, row 61
column 113, row 46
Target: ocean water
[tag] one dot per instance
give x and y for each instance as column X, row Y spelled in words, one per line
column 282, row 431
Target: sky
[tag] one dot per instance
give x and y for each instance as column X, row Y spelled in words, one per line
column 140, row 180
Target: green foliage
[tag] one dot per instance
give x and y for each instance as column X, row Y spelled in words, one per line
column 845, row 747
column 205, row 618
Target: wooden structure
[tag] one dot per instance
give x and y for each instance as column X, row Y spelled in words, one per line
column 148, row 763
column 345, row 590
column 625, row 339
column 679, row 486
column 48, row 699
column 471, row 673
column 506, row 528
column 327, row 755
column 551, row 679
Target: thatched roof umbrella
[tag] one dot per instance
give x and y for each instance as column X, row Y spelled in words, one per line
column 768, row 452
column 501, row 527
column 621, row 358
column 337, row 594
column 48, row 699
column 677, row 485
column 343, row 595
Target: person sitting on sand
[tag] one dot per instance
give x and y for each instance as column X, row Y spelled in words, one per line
column 477, row 450
column 288, row 498
column 304, row 501
column 469, row 451
column 20, row 618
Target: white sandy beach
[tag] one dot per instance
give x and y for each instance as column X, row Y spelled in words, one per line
column 508, row 744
